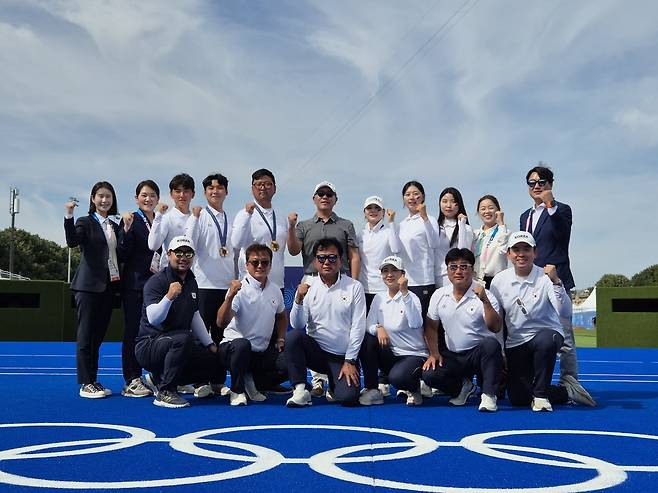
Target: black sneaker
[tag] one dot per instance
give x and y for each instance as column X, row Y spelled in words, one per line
column 171, row 399
column 90, row 391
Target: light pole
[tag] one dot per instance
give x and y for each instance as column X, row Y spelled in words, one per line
column 14, row 206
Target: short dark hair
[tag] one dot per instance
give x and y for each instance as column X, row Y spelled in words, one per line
column 460, row 254
column 325, row 243
column 456, row 194
column 544, row 173
column 114, row 209
column 181, row 180
column 488, row 197
column 257, row 248
column 414, row 183
column 147, row 183
column 221, row 179
column 259, row 173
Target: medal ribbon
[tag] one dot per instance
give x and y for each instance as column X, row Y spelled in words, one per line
column 222, row 236
column 271, row 228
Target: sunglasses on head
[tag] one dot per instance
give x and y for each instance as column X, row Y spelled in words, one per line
column 533, row 183
column 181, row 254
column 257, row 262
column 332, row 258
column 323, row 193
column 461, row 267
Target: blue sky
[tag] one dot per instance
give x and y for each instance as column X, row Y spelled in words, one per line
column 124, row 91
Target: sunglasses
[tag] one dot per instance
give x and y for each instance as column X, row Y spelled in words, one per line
column 461, row 267
column 323, row 258
column 522, row 306
column 325, row 194
column 187, row 255
column 534, row 183
column 257, row 262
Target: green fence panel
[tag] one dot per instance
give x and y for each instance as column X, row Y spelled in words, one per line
column 627, row 317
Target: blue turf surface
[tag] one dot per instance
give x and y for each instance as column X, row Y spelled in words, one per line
column 38, row 383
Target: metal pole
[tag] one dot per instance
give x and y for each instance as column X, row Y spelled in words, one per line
column 13, row 192
column 68, row 274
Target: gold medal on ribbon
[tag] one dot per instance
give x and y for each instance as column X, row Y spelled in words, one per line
column 274, row 245
column 223, row 251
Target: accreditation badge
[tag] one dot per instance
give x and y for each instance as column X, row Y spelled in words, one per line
column 114, row 270
column 155, row 263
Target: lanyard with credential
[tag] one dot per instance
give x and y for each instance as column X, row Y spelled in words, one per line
column 223, row 251
column 111, row 248
column 479, row 248
column 274, row 245
column 147, row 223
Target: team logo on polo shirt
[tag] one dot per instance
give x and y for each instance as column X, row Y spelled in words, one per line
column 193, row 295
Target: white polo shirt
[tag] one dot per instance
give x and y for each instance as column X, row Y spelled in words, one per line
column 375, row 244
column 254, row 313
column 419, row 239
column 212, row 271
column 164, row 228
column 543, row 302
column 463, row 321
column 465, row 239
column 250, row 228
column 334, row 316
column 402, row 319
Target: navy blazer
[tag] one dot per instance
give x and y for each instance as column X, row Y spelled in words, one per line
column 552, row 235
column 92, row 275
column 138, row 255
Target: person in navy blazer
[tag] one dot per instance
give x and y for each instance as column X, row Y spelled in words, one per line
column 95, row 282
column 549, row 222
column 140, row 264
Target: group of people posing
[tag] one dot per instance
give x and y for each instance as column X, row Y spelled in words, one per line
column 426, row 305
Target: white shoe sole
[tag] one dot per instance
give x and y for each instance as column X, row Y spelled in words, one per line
column 92, row 396
column 170, row 406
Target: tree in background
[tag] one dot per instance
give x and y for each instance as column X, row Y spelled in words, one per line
column 613, row 281
column 37, row 258
column 646, row 277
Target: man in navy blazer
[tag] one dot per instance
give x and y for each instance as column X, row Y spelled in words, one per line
column 549, row 222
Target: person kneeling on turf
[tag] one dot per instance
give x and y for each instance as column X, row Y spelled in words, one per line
column 469, row 320
column 332, row 307
column 252, row 309
column 394, row 341
column 173, row 342
column 533, row 299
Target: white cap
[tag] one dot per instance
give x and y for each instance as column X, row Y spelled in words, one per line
column 326, row 184
column 521, row 237
column 392, row 260
column 180, row 241
column 374, row 200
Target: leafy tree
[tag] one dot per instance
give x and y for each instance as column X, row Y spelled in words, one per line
column 613, row 281
column 35, row 257
column 646, row 277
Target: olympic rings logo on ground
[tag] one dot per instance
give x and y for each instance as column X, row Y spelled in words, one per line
column 327, row 463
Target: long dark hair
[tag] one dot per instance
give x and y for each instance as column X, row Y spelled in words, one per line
column 462, row 210
column 114, row 210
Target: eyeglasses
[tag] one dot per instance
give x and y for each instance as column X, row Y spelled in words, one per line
column 461, row 267
column 187, row 255
column 328, row 194
column 262, row 184
column 323, row 258
column 257, row 262
column 414, row 195
column 522, row 306
column 534, row 183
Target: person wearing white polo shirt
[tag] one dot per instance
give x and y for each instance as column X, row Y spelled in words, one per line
column 378, row 240
column 469, row 320
column 259, row 223
column 533, row 299
column 394, row 340
column 332, row 309
column 253, row 309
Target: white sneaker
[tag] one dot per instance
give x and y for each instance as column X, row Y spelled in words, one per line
column 100, row 387
column 300, row 398
column 185, row 389
column 414, row 399
column 238, row 399
column 329, row 395
column 317, row 389
column 426, row 390
column 135, row 388
column 577, row 392
column 541, row 404
column 488, row 403
column 203, row 391
column 90, row 391
column 251, row 390
column 468, row 389
column 369, row 397
column 385, row 389
column 402, row 394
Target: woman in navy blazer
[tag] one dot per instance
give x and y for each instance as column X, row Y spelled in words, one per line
column 95, row 281
column 140, row 264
